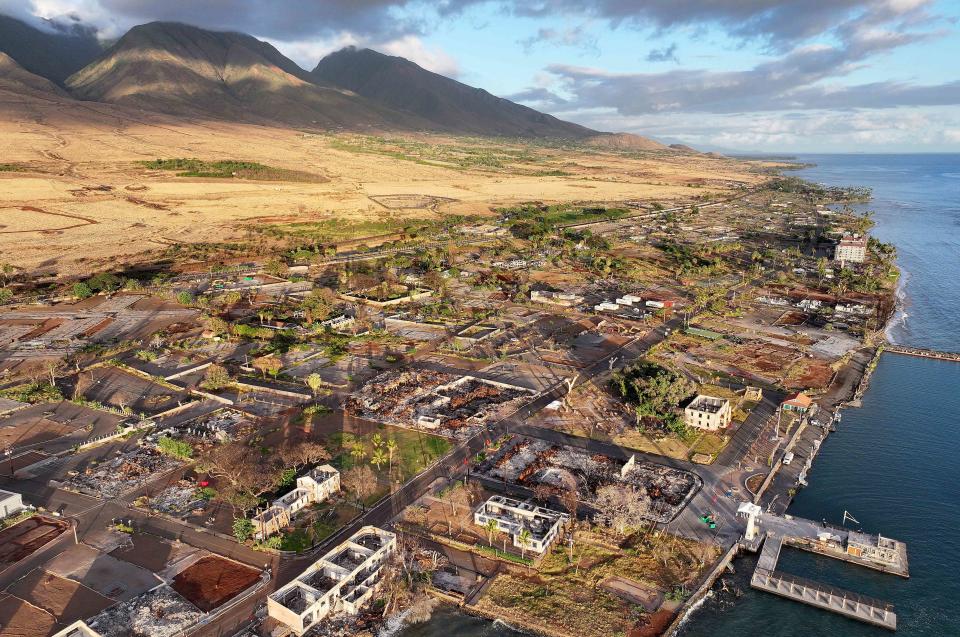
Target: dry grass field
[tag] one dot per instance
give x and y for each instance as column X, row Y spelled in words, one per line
column 75, row 196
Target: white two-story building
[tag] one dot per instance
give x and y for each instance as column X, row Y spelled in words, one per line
column 513, row 516
column 316, row 486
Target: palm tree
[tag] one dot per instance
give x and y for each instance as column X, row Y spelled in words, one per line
column 358, row 451
column 314, row 382
column 524, row 537
column 491, row 527
column 378, row 458
column 391, row 449
column 377, row 440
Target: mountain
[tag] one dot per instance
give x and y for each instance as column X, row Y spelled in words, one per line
column 53, row 55
column 450, row 105
column 624, row 141
column 15, row 79
column 183, row 70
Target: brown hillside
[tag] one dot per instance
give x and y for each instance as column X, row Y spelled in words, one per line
column 184, row 70
column 400, row 84
column 624, row 141
column 16, row 79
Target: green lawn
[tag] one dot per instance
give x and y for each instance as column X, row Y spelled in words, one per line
column 415, row 450
column 334, row 230
column 229, row 169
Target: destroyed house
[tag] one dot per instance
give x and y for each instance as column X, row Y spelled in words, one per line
column 342, row 581
column 513, row 516
column 707, row 412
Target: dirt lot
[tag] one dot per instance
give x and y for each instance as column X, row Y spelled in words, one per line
column 8, row 467
column 147, row 551
column 20, row 619
column 113, row 386
column 47, row 421
column 65, row 599
column 84, row 187
column 23, row 539
column 211, row 581
column 107, row 575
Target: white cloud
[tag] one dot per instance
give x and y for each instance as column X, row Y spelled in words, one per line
column 920, row 129
column 307, row 53
column 431, row 58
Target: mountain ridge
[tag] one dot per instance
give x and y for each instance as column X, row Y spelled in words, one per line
column 184, row 70
column 54, row 56
column 401, row 84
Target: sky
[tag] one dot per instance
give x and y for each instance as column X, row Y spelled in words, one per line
column 748, row 75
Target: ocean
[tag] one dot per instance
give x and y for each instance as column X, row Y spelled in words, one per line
column 894, row 462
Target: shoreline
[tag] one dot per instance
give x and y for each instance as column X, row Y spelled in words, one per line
column 834, row 407
column 850, row 383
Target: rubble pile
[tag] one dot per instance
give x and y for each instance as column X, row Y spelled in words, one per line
column 450, row 405
column 160, row 612
column 387, row 394
column 529, row 462
column 177, row 500
column 115, row 477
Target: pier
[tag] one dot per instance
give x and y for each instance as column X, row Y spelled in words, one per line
column 923, row 353
column 772, row 532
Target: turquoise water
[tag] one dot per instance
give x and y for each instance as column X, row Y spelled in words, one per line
column 894, row 463
column 916, row 205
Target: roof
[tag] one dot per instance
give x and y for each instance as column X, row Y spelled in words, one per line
column 707, row 404
column 799, row 399
column 859, row 242
column 707, row 334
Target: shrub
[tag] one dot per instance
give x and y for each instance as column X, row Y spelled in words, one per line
column 242, row 529
column 82, row 291
column 175, row 448
column 104, row 282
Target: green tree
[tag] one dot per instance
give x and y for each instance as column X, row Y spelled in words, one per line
column 216, row 378
column 822, row 269
column 242, row 529
column 391, row 449
column 654, row 390
column 104, row 282
column 185, row 298
column 358, row 451
column 379, row 458
column 524, row 538
column 6, row 271
column 217, row 325
column 314, row 381
column 6, row 295
column 267, row 364
column 275, row 267
column 491, row 527
column 81, row 290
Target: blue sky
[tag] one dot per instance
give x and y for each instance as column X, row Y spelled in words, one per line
column 772, row 75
